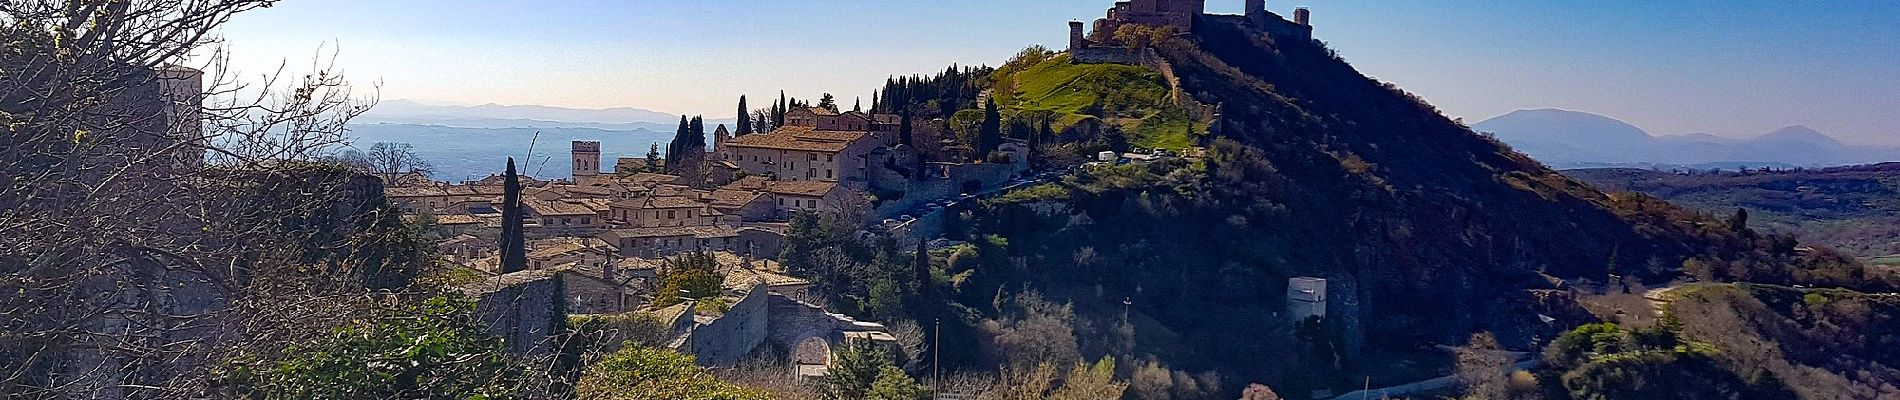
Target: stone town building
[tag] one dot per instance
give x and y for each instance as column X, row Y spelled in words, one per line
column 562, row 214
column 815, row 144
column 435, row 198
column 665, row 211
column 811, row 196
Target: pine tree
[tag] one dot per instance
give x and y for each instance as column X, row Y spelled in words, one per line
column 745, row 121
column 514, row 253
column 653, row 158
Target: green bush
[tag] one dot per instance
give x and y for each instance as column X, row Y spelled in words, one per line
column 434, row 350
column 641, row 373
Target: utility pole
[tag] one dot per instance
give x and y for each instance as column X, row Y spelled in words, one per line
column 936, row 359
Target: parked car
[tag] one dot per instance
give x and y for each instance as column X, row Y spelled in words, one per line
column 889, row 222
column 906, row 218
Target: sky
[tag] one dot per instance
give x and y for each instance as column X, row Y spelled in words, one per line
column 1732, row 67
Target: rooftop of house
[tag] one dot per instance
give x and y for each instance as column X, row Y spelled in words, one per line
column 703, row 232
column 801, row 138
column 457, row 219
column 733, row 198
column 801, row 188
column 559, row 208
column 555, row 250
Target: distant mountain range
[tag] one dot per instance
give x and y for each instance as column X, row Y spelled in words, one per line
column 1572, row 139
column 470, row 142
column 493, row 116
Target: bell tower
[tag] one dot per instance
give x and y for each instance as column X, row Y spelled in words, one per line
column 586, row 161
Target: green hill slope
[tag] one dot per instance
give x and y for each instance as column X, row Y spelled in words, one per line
column 1132, row 98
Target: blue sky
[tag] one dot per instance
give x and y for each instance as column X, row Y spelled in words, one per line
column 1732, row 68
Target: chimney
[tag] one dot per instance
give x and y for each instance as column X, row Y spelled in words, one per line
column 1303, row 17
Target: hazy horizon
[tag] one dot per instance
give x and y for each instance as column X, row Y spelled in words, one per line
column 1733, row 69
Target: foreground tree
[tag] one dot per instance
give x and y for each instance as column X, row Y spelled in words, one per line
column 435, row 350
column 158, row 219
column 640, row 373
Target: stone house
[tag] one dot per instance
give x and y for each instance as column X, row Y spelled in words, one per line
column 811, row 196
column 667, row 241
column 664, row 211
column 562, row 214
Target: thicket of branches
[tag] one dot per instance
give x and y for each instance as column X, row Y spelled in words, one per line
column 142, row 247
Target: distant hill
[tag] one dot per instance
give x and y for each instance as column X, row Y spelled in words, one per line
column 1572, row 139
column 1854, row 209
column 525, row 116
column 460, row 153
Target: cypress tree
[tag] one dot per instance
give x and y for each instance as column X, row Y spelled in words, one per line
column 778, row 116
column 514, row 253
column 903, row 129
column 745, row 121
column 991, row 134
column 921, row 267
column 696, row 136
column 761, row 123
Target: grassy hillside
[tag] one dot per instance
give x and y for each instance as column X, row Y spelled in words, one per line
column 1853, row 209
column 1136, row 99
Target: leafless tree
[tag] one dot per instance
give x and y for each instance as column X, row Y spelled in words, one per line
column 1484, row 368
column 387, row 160
column 159, row 218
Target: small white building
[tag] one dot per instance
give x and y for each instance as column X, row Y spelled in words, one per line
column 1106, row 156
column 1305, row 298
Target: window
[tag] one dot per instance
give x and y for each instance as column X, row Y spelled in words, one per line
column 781, row 202
column 547, row 221
column 689, row 213
column 670, row 215
column 827, row 174
column 828, row 158
column 565, row 221
column 586, row 221
column 812, row 174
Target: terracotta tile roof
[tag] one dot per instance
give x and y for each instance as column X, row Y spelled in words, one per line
column 557, row 208
column 555, row 250
column 730, row 198
column 817, row 110
column 598, row 205
column 673, row 202
column 647, row 178
column 801, row 188
column 802, row 138
column 456, row 219
column 753, row 182
column 703, row 232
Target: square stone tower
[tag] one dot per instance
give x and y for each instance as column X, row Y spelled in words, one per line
column 586, row 161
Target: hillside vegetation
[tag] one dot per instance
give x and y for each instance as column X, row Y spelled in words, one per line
column 1130, row 98
column 1726, row 340
column 1853, row 209
column 1426, row 231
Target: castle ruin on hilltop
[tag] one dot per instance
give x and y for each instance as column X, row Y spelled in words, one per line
column 1100, row 45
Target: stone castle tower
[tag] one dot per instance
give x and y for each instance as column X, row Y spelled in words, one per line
column 586, row 161
column 1256, row 8
column 720, row 137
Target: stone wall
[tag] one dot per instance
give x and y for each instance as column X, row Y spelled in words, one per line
column 523, row 308
column 727, row 338
column 1105, row 55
